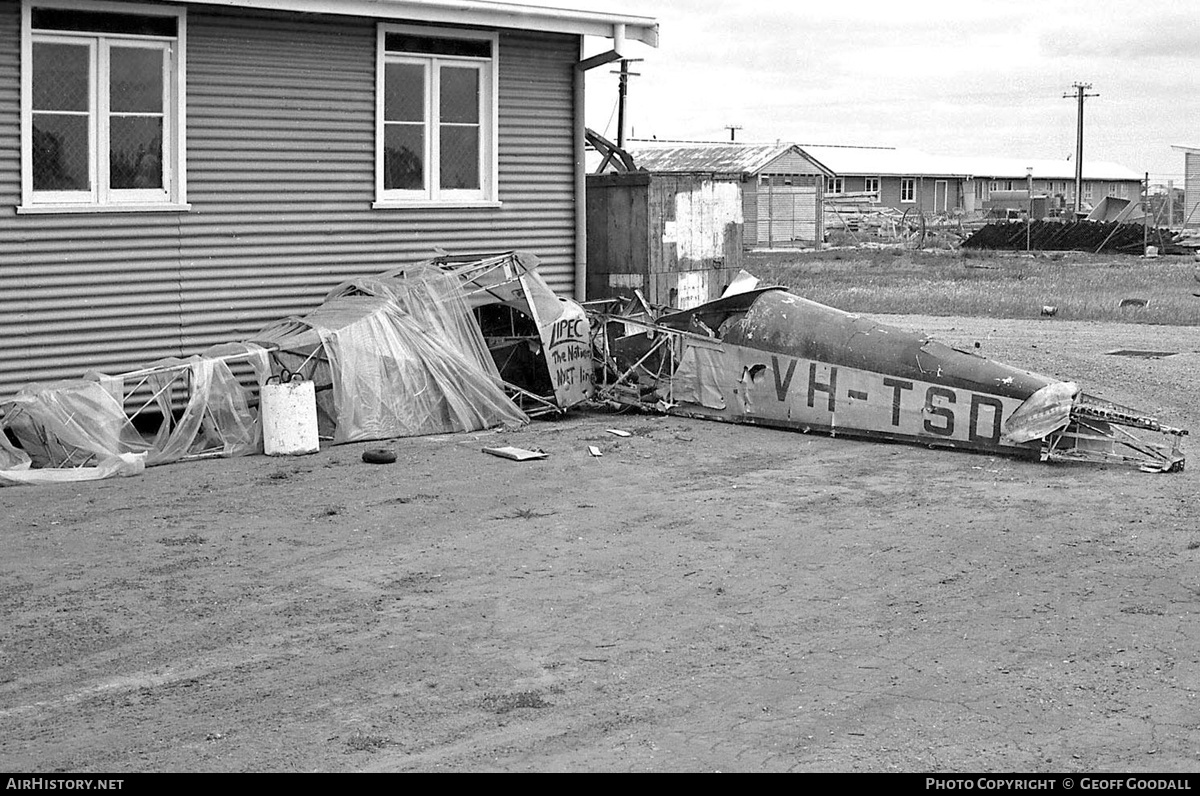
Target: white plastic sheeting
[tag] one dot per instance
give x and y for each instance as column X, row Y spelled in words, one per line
column 394, row 358
column 79, row 430
column 396, row 355
column 68, row 431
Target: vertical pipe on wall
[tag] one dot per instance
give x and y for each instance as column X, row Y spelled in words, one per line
column 577, row 97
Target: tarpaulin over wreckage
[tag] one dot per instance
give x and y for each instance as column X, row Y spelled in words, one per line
column 398, row 354
column 83, row 429
column 769, row 357
column 393, row 358
column 540, row 342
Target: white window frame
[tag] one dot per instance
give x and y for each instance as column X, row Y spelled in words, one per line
column 101, row 198
column 835, row 185
column 911, row 184
column 433, row 195
column 876, row 182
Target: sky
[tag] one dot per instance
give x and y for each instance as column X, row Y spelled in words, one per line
column 964, row 78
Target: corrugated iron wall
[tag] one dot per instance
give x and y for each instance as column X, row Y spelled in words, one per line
column 280, row 178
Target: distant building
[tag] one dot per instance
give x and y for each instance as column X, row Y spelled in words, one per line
column 938, row 184
column 1054, row 179
column 902, row 178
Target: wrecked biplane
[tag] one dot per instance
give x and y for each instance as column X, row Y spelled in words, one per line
column 458, row 343
column 768, row 357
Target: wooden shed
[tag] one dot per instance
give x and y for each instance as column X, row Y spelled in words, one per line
column 677, row 227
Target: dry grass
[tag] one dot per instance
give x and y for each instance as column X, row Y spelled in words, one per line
column 987, row 284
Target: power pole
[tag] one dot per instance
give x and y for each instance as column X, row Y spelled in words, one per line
column 1080, row 89
column 733, row 128
column 1145, row 212
column 1029, row 214
column 622, row 93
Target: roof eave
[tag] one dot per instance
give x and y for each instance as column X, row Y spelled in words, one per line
column 469, row 12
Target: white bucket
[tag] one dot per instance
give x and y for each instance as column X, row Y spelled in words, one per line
column 289, row 418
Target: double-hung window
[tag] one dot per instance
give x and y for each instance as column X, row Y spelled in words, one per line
column 102, row 112
column 908, row 189
column 834, row 185
column 871, row 185
column 436, row 117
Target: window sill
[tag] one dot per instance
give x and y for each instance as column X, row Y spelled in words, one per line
column 115, row 208
column 462, row 205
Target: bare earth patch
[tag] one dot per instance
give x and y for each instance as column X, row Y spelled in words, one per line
column 701, row 597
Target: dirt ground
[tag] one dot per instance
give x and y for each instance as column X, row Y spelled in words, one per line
column 704, row 597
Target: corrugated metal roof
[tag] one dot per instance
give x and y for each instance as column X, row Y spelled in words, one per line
column 884, row 161
column 730, row 158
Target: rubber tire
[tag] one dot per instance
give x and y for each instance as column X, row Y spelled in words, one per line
column 379, row 456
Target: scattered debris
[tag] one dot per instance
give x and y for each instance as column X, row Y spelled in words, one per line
column 1134, row 302
column 1134, row 352
column 618, row 432
column 179, row 541
column 516, row 454
column 1049, row 310
column 525, row 514
column 592, row 449
column 503, row 703
column 379, row 456
column 366, row 742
